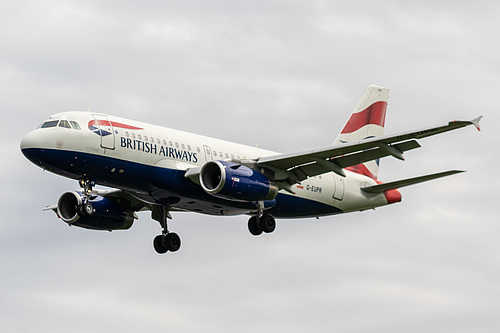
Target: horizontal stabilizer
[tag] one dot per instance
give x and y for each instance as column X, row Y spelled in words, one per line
column 406, row 182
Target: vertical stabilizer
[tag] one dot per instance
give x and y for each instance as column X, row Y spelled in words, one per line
column 366, row 121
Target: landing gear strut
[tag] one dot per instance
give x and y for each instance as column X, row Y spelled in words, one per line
column 86, row 207
column 167, row 241
column 265, row 223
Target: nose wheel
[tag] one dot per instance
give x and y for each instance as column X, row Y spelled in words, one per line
column 86, row 208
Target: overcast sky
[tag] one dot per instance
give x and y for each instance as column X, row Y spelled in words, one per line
column 284, row 75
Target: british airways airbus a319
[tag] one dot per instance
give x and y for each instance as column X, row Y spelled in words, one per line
column 149, row 167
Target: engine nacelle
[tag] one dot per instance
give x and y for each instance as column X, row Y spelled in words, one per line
column 107, row 215
column 236, row 182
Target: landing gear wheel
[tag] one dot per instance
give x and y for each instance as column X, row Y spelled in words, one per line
column 159, row 245
column 172, row 242
column 267, row 223
column 167, row 241
column 88, row 209
column 254, row 227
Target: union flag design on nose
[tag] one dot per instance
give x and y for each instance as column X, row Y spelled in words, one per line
column 96, row 126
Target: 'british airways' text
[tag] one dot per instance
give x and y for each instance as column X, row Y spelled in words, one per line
column 152, row 148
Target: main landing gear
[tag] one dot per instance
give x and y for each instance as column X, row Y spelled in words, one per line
column 265, row 223
column 167, row 241
column 86, row 207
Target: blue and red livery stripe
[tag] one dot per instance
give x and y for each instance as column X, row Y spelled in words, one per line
column 102, row 122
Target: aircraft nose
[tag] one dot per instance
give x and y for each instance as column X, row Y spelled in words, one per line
column 31, row 144
column 31, row 140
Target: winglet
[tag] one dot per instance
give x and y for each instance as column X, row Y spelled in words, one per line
column 475, row 121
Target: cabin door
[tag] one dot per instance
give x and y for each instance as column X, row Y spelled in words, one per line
column 104, row 128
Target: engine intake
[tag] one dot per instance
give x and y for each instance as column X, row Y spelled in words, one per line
column 236, row 182
column 107, row 215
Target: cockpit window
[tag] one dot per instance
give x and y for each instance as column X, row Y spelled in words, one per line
column 75, row 125
column 64, row 123
column 50, row 123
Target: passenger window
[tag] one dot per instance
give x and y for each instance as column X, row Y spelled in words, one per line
column 50, row 123
column 75, row 125
column 64, row 123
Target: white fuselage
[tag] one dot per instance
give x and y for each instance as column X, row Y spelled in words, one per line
column 121, row 153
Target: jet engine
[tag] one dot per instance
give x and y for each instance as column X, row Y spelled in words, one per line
column 101, row 214
column 236, row 182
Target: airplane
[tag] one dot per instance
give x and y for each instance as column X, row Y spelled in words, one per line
column 161, row 170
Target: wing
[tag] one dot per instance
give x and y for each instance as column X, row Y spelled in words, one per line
column 288, row 169
column 124, row 198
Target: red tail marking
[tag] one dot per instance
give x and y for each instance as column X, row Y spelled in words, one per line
column 362, row 170
column 392, row 196
column 372, row 115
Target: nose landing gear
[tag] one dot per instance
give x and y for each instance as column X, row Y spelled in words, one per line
column 86, row 207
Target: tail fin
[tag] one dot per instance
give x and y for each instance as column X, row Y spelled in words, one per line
column 366, row 121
